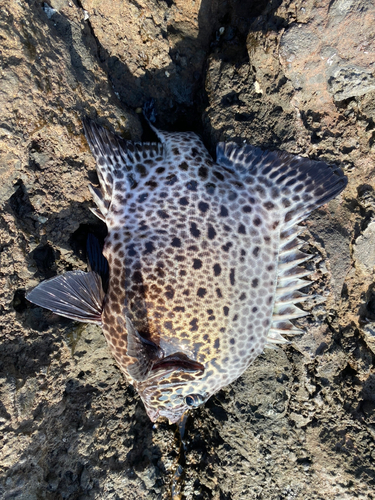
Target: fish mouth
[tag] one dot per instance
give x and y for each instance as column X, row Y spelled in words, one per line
column 172, row 418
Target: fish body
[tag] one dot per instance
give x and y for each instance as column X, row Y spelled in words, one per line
column 203, row 260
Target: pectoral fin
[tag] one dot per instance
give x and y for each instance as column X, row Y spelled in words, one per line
column 75, row 295
column 144, row 351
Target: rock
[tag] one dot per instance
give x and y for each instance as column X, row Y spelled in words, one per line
column 364, row 250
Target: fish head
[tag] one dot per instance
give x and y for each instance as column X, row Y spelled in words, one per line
column 170, row 393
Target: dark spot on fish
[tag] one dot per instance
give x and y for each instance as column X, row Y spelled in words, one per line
column 227, row 246
column 142, row 197
column 243, row 296
column 254, row 309
column 175, row 151
column 203, row 207
column 218, row 175
column 201, row 292
column 186, row 292
column 141, row 169
column 210, row 188
column 269, row 205
column 226, row 310
column 168, row 325
column 257, row 221
column 176, row 242
column 180, row 258
column 217, row 343
column 137, row 277
column 179, row 309
column 255, row 283
column 194, row 325
column 183, row 201
column 171, row 179
column 183, row 166
column 149, row 247
column 231, row 277
column 151, row 184
column 224, row 211
column 162, row 214
column 116, row 236
column 192, row 185
column 242, row 229
column 160, row 170
column 217, row 269
column 197, row 264
column 218, row 293
column 169, row 293
column 256, row 251
column 194, row 152
column 232, row 340
column 246, row 209
column 211, row 233
column 202, row 172
column 194, row 230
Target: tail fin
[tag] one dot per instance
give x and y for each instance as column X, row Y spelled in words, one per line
column 287, row 187
column 295, row 186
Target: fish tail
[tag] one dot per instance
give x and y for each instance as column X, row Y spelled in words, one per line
column 288, row 188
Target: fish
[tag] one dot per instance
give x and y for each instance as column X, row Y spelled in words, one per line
column 204, row 260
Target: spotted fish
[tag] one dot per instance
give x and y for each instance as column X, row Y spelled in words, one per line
column 204, row 260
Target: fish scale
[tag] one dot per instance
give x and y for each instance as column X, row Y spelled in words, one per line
column 204, row 260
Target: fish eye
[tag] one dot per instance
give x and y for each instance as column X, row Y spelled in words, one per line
column 194, row 400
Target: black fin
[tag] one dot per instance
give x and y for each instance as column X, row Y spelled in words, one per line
column 149, row 111
column 144, row 351
column 96, row 260
column 295, row 185
column 76, row 295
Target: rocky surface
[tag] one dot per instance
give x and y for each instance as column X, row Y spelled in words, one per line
column 291, row 74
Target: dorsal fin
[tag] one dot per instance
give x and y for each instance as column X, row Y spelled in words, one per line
column 118, row 160
column 75, row 295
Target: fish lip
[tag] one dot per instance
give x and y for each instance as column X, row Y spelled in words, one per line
column 172, row 417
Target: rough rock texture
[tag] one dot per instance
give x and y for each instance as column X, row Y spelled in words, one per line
column 291, row 74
